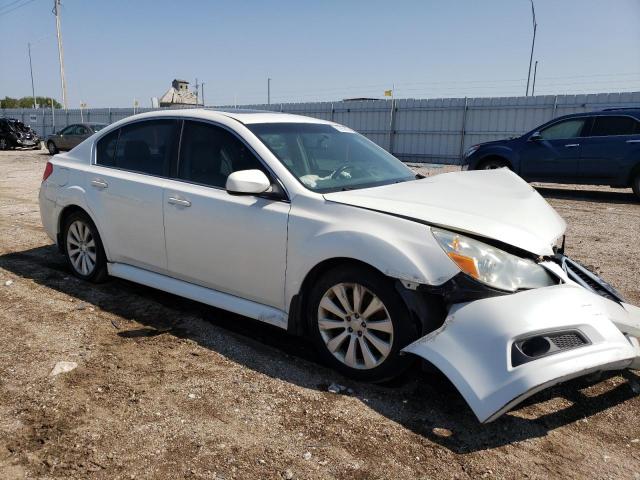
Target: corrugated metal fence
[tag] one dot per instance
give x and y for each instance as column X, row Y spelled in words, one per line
column 414, row 130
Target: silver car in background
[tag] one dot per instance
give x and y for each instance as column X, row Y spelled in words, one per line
column 71, row 135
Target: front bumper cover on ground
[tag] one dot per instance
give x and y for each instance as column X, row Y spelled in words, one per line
column 476, row 345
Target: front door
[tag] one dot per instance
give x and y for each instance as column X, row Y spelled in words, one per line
column 231, row 243
column 554, row 155
column 125, row 191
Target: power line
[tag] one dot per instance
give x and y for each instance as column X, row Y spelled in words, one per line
column 16, row 7
column 9, row 4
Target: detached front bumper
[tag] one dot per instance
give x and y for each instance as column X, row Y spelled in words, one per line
column 498, row 351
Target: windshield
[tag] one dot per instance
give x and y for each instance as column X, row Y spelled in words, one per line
column 96, row 127
column 326, row 158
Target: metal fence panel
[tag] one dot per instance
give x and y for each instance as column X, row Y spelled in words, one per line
column 435, row 130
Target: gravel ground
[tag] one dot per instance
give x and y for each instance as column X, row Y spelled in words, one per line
column 168, row 388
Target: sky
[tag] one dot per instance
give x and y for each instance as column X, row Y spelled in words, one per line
column 117, row 51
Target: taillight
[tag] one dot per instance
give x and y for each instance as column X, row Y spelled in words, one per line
column 48, row 170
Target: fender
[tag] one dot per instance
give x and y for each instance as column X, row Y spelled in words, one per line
column 399, row 248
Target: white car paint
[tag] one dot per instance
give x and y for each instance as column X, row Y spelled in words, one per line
column 263, row 250
column 495, row 204
column 481, row 334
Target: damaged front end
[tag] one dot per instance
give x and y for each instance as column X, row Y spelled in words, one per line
column 500, row 350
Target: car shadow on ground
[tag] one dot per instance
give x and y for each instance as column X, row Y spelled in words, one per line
column 424, row 402
column 595, row 196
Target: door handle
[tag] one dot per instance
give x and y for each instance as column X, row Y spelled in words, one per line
column 98, row 183
column 572, row 145
column 633, row 141
column 179, row 201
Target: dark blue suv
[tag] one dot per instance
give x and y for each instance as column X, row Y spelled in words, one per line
column 599, row 148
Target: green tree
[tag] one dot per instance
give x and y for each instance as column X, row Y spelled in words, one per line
column 27, row 102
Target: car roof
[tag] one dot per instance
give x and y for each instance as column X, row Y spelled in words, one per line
column 607, row 112
column 244, row 116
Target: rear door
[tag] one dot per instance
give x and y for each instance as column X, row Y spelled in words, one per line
column 554, row 157
column 609, row 148
column 125, row 190
column 235, row 244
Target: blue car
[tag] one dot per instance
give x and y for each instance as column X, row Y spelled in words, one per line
column 598, row 148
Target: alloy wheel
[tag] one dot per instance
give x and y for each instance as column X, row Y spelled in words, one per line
column 355, row 325
column 81, row 248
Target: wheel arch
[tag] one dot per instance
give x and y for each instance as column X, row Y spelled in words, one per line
column 64, row 214
column 635, row 170
column 298, row 304
column 417, row 303
column 495, row 156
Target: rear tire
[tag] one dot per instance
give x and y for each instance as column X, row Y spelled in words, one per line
column 359, row 323
column 83, row 248
column 52, row 148
column 635, row 185
column 492, row 164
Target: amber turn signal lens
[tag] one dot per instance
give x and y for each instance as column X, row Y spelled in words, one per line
column 466, row 264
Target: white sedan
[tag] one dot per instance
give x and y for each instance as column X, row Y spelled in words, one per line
column 309, row 226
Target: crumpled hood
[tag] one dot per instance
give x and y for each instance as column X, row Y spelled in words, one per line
column 495, row 204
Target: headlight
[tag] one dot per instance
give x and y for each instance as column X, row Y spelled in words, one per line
column 491, row 265
column 470, row 151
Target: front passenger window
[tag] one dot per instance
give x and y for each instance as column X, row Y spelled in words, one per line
column 208, row 154
column 562, row 130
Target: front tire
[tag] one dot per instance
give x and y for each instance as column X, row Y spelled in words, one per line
column 359, row 324
column 492, row 164
column 52, row 148
column 83, row 248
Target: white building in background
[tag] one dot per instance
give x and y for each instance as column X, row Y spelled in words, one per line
column 178, row 94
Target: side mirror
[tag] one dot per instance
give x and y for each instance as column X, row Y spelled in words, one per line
column 248, row 182
column 535, row 137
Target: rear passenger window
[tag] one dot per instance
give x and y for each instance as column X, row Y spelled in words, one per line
column 106, row 149
column 147, row 147
column 208, row 154
column 606, row 126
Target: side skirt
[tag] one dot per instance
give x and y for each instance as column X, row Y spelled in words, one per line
column 241, row 306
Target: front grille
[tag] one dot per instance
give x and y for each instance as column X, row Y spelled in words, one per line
column 587, row 279
column 567, row 341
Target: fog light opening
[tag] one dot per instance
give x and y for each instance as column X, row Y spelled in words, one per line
column 535, row 347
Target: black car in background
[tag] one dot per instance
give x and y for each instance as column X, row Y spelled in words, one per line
column 14, row 134
column 598, row 148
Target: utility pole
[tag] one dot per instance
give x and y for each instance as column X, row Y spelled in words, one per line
column 535, row 71
column 56, row 12
column 197, row 91
column 202, row 87
column 268, row 91
column 533, row 42
column 33, row 90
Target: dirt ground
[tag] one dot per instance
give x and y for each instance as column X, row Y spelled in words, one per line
column 168, row 388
